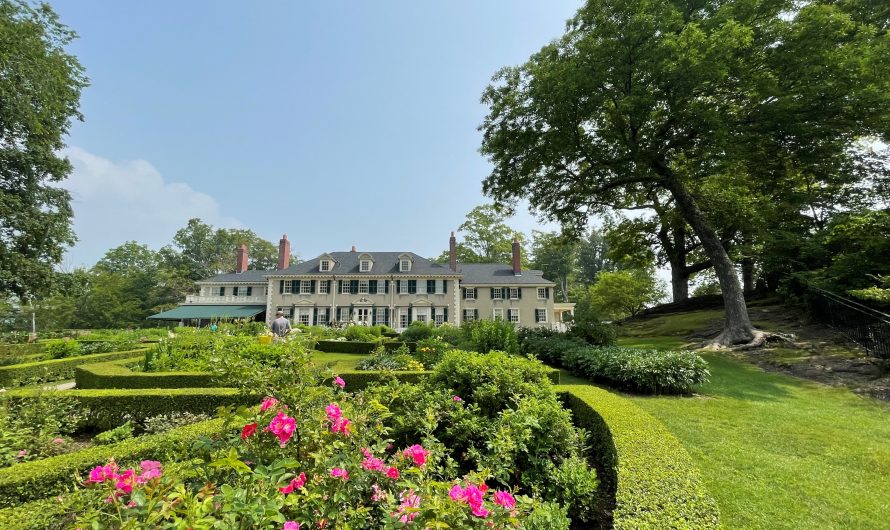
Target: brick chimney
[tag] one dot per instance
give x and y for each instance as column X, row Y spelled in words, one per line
column 241, row 260
column 353, row 249
column 283, row 253
column 452, row 252
column 517, row 258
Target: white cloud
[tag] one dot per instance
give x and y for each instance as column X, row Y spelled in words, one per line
column 119, row 201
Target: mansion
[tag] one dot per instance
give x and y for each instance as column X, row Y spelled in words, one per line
column 370, row 288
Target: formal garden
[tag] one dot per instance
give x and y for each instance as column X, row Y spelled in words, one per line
column 354, row 428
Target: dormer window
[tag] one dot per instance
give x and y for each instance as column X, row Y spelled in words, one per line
column 405, row 265
column 325, row 265
column 365, row 265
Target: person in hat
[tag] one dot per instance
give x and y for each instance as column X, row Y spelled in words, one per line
column 281, row 325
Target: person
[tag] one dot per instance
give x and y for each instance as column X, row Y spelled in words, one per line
column 281, row 325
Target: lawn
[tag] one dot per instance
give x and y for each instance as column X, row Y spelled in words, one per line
column 781, row 452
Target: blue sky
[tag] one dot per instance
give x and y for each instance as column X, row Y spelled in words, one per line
column 339, row 123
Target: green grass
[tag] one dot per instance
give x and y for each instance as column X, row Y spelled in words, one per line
column 780, row 452
column 337, row 361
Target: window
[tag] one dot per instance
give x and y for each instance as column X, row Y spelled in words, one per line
column 440, row 286
column 514, row 293
column 542, row 293
column 513, row 315
column 469, row 315
column 421, row 287
column 439, row 316
column 288, row 311
column 322, row 318
column 363, row 315
column 344, row 314
column 365, row 265
column 540, row 314
column 325, row 265
column 287, row 286
column 363, row 287
column 381, row 315
column 405, row 265
column 306, row 287
column 381, row 286
column 322, row 287
column 304, row 316
column 345, row 287
column 470, row 293
column 222, row 291
column 403, row 286
column 497, row 293
column 498, row 313
column 422, row 317
column 403, row 318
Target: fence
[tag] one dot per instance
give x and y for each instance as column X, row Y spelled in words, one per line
column 867, row 327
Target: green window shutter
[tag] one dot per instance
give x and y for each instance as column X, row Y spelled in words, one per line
column 354, row 287
column 386, row 316
column 445, row 314
column 519, row 292
column 249, row 291
column 398, row 286
column 329, row 286
column 385, row 286
column 222, row 291
column 410, row 311
column 235, row 291
column 463, row 293
column 372, row 286
column 476, row 293
column 412, row 286
column 492, row 293
column 315, row 316
column 431, row 286
column 280, row 286
column 547, row 293
column 536, row 317
column 444, row 286
column 312, row 286
column 373, row 316
column 475, row 314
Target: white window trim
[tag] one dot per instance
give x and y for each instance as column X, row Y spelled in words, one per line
column 403, row 316
column 363, row 287
column 381, row 286
column 362, row 263
column 469, row 315
column 322, row 319
column 542, row 293
column 498, row 294
column 288, row 287
column 405, row 265
column 322, row 287
column 403, row 287
column 306, row 287
column 469, row 293
column 347, row 287
column 498, row 313
column 511, row 312
column 514, row 290
column 381, row 314
column 422, row 314
column 324, row 265
column 287, row 310
column 421, row 286
column 544, row 310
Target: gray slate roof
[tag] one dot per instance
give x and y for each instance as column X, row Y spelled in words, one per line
column 384, row 263
column 497, row 274
column 251, row 276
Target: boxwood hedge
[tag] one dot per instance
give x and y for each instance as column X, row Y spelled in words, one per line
column 53, row 369
column 642, row 466
column 39, row 479
column 359, row 347
column 118, row 375
column 107, row 409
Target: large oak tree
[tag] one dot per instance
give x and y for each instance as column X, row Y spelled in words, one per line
column 659, row 96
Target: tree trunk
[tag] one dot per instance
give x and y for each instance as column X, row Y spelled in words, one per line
column 737, row 326
column 679, row 283
column 747, row 274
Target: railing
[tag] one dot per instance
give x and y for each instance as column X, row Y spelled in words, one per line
column 867, row 327
column 198, row 299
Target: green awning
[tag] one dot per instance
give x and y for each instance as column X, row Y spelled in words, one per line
column 187, row 312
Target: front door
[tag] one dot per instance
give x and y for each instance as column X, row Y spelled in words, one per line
column 363, row 316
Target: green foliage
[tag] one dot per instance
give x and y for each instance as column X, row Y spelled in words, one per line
column 623, row 293
column 655, row 483
column 880, row 294
column 547, row 345
column 430, row 351
column 546, row 516
column 418, row 331
column 118, row 375
column 52, row 476
column 489, row 335
column 113, row 436
column 54, row 369
column 342, row 346
column 37, row 427
column 381, row 359
column 575, row 484
column 61, row 348
column 173, row 420
column 639, row 370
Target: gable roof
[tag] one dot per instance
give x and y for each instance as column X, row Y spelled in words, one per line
column 497, row 274
column 348, row 263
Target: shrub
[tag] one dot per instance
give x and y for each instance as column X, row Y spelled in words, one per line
column 61, row 348
column 113, row 436
column 594, row 332
column 643, row 468
column 547, row 345
column 342, row 346
column 36, row 428
column 381, row 359
column 648, row 371
column 490, row 335
column 105, row 346
column 53, row 369
column 430, row 351
column 418, row 330
column 118, row 375
column 173, row 420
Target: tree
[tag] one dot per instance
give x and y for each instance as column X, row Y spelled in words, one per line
column 556, row 257
column 624, row 293
column 666, row 97
column 593, row 257
column 486, row 238
column 40, row 87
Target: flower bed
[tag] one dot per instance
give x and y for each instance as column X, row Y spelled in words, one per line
column 647, row 474
column 54, row 369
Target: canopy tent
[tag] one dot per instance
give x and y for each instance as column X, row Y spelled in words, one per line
column 209, row 312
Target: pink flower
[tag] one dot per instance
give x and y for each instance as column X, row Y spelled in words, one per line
column 480, row 511
column 23, row 453
column 58, row 440
column 392, row 473
column 102, row 473
column 339, row 381
column 291, row 525
column 340, row 425
column 248, row 430
column 150, row 469
column 339, row 472
column 378, row 493
column 333, row 411
column 472, row 495
column 456, row 399
column 505, row 499
column 456, row 493
column 295, row 484
column 268, row 403
column 417, row 453
column 407, row 510
column 370, row 462
column 125, row 481
column 283, row 427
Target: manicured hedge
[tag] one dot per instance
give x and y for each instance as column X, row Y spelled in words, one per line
column 108, row 409
column 642, row 466
column 39, row 479
column 118, row 375
column 27, row 348
column 359, row 379
column 351, row 346
column 53, row 369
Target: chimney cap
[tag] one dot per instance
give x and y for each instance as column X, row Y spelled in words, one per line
column 452, row 233
column 353, row 249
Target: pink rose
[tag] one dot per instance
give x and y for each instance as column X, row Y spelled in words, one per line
column 339, row 472
column 283, row 427
column 291, row 525
column 268, row 403
column 456, row 399
column 505, row 499
column 339, row 382
column 417, row 453
column 392, row 473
